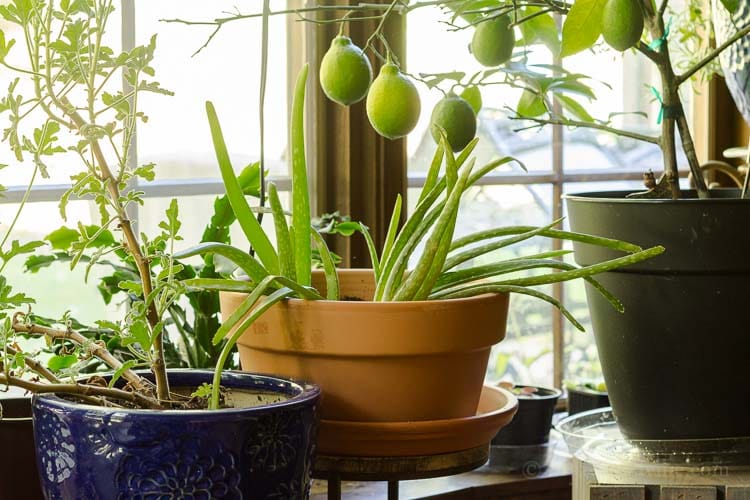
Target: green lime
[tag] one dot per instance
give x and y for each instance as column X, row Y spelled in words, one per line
column 473, row 96
column 393, row 103
column 622, row 23
column 345, row 72
column 456, row 116
column 493, row 41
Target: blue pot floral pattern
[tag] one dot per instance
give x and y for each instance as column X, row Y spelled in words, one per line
column 190, row 468
column 273, row 442
column 263, row 453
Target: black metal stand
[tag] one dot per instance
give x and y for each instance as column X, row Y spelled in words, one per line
column 395, row 469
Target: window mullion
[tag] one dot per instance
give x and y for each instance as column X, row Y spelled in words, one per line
column 128, row 43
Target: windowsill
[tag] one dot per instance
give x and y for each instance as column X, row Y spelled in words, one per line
column 555, row 482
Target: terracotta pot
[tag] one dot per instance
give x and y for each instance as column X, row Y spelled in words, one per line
column 375, row 361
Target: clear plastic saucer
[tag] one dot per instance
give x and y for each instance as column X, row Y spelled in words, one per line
column 595, row 438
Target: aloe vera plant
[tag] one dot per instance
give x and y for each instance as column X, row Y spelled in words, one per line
column 275, row 273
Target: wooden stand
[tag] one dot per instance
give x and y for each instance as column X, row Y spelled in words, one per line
column 395, row 469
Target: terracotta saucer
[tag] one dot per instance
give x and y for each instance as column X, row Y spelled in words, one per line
column 422, row 437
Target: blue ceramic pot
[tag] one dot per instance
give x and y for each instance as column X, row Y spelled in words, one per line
column 264, row 452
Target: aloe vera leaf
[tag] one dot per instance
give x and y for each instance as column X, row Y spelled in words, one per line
column 286, row 259
column 464, row 155
column 249, row 264
column 272, row 299
column 250, row 226
column 434, row 171
column 549, row 233
column 436, row 269
column 430, row 255
column 471, row 253
column 388, row 275
column 453, row 279
column 581, row 272
column 392, row 229
column 300, row 195
column 371, row 248
column 329, row 267
column 471, row 291
column 230, row 285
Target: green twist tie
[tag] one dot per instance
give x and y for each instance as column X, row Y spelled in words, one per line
column 673, row 112
column 661, row 103
column 659, row 42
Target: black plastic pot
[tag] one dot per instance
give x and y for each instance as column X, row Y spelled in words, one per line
column 675, row 363
column 533, row 420
column 583, row 399
column 19, row 479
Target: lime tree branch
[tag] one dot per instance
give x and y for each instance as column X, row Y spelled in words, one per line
column 712, row 55
column 592, row 125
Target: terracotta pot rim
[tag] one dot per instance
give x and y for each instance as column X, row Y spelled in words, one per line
column 407, row 304
column 423, row 426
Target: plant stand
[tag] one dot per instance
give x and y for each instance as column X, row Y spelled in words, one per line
column 395, row 469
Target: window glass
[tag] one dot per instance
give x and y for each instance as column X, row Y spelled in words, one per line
column 226, row 72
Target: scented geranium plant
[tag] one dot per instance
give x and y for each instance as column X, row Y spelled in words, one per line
column 65, row 104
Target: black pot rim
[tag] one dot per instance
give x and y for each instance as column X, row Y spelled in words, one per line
column 552, row 392
column 306, row 394
column 619, row 196
column 20, row 400
column 584, row 390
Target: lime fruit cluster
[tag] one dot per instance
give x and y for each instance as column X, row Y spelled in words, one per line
column 345, row 72
column 622, row 23
column 455, row 116
column 493, row 41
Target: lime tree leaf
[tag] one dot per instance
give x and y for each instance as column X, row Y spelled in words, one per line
column 531, row 105
column 575, row 108
column 57, row 363
column 582, row 26
column 540, row 28
column 731, row 5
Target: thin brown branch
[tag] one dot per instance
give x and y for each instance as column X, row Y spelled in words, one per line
column 592, row 125
column 93, row 348
column 134, row 248
column 712, row 55
column 34, row 365
column 82, row 390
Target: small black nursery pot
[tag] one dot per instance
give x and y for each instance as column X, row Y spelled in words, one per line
column 533, row 421
column 582, row 398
